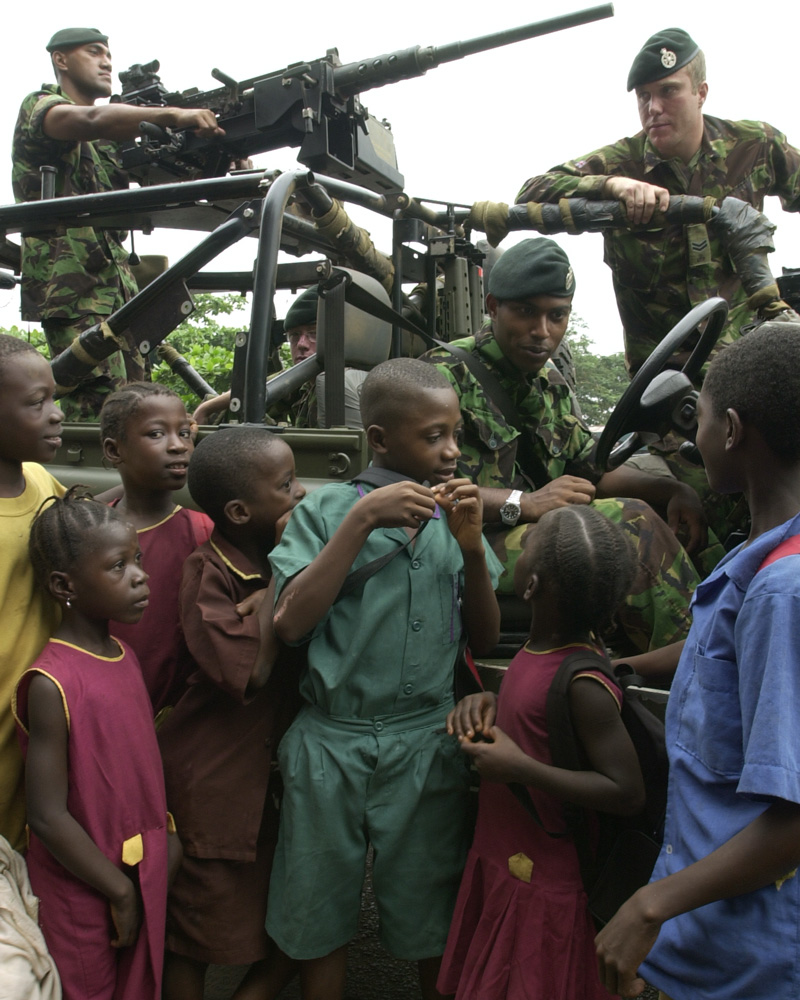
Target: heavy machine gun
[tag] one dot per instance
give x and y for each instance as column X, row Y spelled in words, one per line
column 314, row 105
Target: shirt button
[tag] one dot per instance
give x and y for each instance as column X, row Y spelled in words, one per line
column 408, row 688
column 415, row 563
column 669, row 848
column 378, row 727
column 416, row 626
column 492, row 442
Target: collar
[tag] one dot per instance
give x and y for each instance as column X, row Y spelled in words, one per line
column 652, row 159
column 741, row 565
column 235, row 560
column 489, row 350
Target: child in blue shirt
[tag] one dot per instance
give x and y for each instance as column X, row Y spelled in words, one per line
column 368, row 759
column 721, row 916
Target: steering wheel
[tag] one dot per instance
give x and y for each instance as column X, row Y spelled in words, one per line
column 656, row 397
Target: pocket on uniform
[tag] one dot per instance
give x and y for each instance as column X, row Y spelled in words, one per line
column 710, row 723
column 636, row 261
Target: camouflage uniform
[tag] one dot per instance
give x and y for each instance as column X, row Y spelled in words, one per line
column 657, row 611
column 76, row 277
column 660, row 273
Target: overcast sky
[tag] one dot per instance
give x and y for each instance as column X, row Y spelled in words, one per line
column 467, row 131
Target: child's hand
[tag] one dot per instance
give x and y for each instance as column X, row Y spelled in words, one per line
column 401, row 505
column 496, row 756
column 251, row 604
column 126, row 913
column 624, row 943
column 461, row 502
column 474, row 714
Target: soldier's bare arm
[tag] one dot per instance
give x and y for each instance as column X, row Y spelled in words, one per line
column 73, row 122
column 560, row 492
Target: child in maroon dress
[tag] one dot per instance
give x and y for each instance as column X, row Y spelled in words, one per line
column 99, row 848
column 521, row 928
column 219, row 740
column 148, row 437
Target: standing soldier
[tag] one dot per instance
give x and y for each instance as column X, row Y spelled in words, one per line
column 660, row 272
column 75, row 278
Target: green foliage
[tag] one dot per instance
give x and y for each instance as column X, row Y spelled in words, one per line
column 601, row 378
column 206, row 344
column 34, row 337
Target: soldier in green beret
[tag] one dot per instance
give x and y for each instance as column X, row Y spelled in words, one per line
column 660, row 272
column 301, row 409
column 530, row 452
column 78, row 277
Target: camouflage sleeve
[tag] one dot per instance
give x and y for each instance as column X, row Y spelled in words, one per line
column 785, row 163
column 583, row 177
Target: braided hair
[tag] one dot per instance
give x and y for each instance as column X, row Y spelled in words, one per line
column 589, row 558
column 121, row 405
column 62, row 528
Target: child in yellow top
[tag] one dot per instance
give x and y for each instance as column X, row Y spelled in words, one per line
column 30, row 429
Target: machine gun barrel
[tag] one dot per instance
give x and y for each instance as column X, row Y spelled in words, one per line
column 357, row 77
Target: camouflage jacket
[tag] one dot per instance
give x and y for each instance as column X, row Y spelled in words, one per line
column 661, row 273
column 490, row 453
column 75, row 272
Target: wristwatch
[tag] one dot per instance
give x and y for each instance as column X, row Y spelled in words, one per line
column 511, row 509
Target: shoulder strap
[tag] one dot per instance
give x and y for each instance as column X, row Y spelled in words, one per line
column 377, row 477
column 563, row 746
column 535, row 470
column 788, row 547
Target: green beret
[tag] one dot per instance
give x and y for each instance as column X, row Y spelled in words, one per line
column 533, row 267
column 68, row 38
column 662, row 55
column 303, row 311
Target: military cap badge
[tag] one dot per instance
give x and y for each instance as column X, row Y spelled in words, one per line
column 668, row 58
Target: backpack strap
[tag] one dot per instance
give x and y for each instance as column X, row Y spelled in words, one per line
column 564, row 750
column 788, row 547
column 377, row 477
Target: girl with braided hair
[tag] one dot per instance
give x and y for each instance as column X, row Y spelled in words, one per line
column 522, row 927
column 99, row 848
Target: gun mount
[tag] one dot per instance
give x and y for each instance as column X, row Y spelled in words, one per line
column 314, row 105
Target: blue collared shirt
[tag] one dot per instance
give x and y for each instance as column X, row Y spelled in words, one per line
column 733, row 733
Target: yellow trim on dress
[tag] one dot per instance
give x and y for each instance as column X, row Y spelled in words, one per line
column 141, row 531
column 96, row 656
column 44, row 673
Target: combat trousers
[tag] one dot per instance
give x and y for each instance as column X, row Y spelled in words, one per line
column 656, row 611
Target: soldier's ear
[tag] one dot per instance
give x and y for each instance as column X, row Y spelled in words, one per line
column 492, row 305
column 376, row 438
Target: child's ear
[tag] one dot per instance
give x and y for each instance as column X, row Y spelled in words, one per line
column 237, row 512
column 60, row 586
column 111, row 451
column 531, row 586
column 376, row 438
column 734, row 429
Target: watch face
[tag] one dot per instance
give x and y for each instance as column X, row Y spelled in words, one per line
column 510, row 512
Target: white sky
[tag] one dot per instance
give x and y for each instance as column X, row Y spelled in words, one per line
column 467, row 131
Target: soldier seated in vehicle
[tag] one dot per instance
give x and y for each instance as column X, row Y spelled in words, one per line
column 301, row 409
column 529, row 452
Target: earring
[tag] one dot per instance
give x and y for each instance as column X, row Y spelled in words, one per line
column 68, row 602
